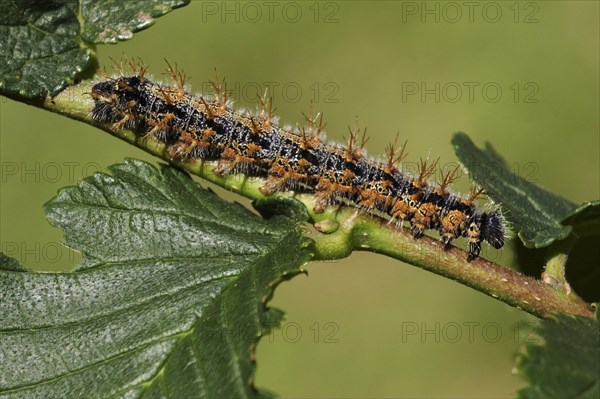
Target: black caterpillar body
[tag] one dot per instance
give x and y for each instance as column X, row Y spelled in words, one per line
column 195, row 127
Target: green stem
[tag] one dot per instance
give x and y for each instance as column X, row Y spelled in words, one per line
column 342, row 230
column 364, row 232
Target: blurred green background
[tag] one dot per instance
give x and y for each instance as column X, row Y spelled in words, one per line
column 366, row 326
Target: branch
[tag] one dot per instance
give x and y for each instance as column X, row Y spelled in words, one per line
column 367, row 233
column 342, row 230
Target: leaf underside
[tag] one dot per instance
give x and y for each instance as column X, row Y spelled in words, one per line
column 535, row 213
column 45, row 45
column 169, row 300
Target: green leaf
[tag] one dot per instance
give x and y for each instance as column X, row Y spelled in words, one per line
column 40, row 48
column 585, row 219
column 45, row 45
column 107, row 21
column 535, row 213
column 169, row 300
column 565, row 363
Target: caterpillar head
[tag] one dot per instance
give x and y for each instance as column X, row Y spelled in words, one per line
column 492, row 228
column 484, row 226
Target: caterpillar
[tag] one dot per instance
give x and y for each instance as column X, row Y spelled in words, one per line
column 299, row 160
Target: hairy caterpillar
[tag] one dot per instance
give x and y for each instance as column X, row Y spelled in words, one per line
column 197, row 127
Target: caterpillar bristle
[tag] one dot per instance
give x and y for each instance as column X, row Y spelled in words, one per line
column 207, row 128
column 447, row 179
column 395, row 156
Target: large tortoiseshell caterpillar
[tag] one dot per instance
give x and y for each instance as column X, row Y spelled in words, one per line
column 196, row 127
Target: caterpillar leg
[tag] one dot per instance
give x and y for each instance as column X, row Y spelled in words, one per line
column 474, row 250
column 447, row 240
